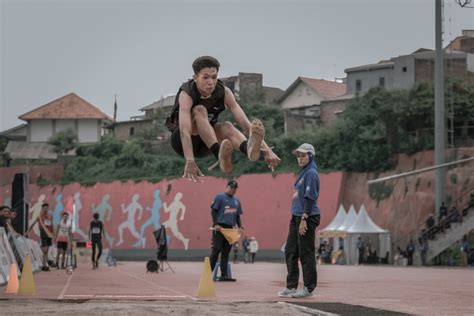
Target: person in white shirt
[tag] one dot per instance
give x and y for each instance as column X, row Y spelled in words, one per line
column 253, row 248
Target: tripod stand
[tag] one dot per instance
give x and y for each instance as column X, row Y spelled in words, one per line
column 162, row 266
column 162, row 254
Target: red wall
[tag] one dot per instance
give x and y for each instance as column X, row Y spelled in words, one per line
column 265, row 199
column 51, row 172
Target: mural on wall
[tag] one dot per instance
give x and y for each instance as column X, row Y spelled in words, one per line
column 153, row 220
column 103, row 209
column 172, row 222
column 77, row 207
column 129, row 223
column 131, row 211
column 58, row 209
column 35, row 211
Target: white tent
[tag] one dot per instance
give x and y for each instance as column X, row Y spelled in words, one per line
column 365, row 228
column 348, row 221
column 335, row 223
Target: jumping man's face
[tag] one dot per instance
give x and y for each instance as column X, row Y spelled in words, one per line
column 206, row 81
column 303, row 159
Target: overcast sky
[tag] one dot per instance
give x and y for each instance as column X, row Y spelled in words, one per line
column 142, row 50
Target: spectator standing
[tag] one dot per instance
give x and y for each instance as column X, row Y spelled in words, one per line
column 253, row 248
column 245, row 247
column 361, row 248
column 410, row 251
column 464, row 251
column 235, row 249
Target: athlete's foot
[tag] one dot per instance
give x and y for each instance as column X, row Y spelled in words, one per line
column 93, row 265
column 225, row 156
column 119, row 243
column 257, row 134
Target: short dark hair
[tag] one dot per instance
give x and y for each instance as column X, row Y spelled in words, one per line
column 5, row 207
column 205, row 62
column 96, row 215
column 44, row 204
column 232, row 184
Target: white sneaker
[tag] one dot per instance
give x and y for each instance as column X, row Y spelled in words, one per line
column 286, row 292
column 302, row 293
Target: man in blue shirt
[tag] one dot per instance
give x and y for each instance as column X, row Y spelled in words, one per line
column 225, row 210
column 305, row 217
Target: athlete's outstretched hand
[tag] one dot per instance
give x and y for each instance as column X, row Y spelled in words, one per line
column 192, row 171
column 271, row 159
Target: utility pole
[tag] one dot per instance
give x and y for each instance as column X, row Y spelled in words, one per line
column 440, row 121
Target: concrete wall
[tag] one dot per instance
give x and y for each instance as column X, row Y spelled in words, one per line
column 40, row 130
column 328, row 108
column 88, row 131
column 369, row 79
column 302, row 95
column 61, row 125
column 403, row 72
column 182, row 206
column 122, row 129
column 52, row 172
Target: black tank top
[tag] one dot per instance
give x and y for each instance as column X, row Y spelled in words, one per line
column 96, row 230
column 214, row 104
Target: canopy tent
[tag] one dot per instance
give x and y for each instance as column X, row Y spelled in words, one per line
column 365, row 228
column 348, row 222
column 335, row 223
column 337, row 232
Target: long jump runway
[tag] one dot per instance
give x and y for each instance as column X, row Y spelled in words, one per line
column 344, row 290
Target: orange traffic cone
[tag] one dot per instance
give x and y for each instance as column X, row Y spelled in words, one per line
column 12, row 287
column 207, row 287
column 27, row 282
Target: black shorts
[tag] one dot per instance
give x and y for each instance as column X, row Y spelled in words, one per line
column 62, row 245
column 199, row 147
column 45, row 240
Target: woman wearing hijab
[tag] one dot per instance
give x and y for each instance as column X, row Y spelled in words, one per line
column 305, row 217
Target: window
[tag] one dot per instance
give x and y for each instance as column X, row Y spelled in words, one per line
column 358, row 85
column 404, row 69
column 382, row 82
column 132, row 131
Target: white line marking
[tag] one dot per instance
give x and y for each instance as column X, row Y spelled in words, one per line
column 98, row 296
column 60, row 297
column 159, row 286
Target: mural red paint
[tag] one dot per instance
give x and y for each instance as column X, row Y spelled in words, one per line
column 132, row 211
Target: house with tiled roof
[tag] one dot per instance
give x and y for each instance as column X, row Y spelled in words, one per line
column 301, row 102
column 67, row 112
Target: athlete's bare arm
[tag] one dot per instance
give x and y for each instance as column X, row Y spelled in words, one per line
column 191, row 170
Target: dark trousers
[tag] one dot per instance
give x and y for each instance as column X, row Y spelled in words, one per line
column 220, row 245
column 361, row 256
column 301, row 247
column 97, row 243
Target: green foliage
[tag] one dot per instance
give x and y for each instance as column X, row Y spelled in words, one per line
column 64, row 141
column 379, row 191
column 454, row 178
column 375, row 128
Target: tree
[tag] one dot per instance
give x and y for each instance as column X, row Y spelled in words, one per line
column 64, row 141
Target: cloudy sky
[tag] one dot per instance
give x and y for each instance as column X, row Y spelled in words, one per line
column 142, row 50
